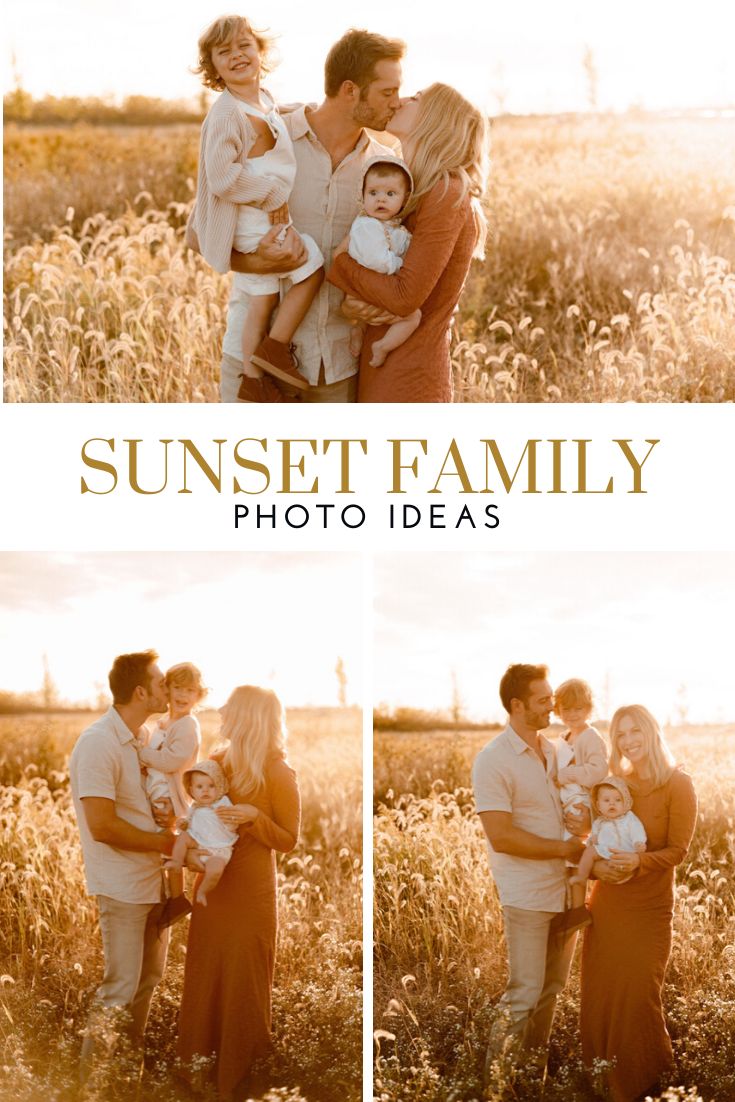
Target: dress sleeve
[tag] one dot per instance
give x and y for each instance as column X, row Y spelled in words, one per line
column 179, row 748
column 228, row 178
column 682, row 819
column 281, row 832
column 592, row 767
column 369, row 247
column 439, row 222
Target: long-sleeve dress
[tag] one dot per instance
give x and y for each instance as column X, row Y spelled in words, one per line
column 627, row 947
column 230, row 954
column 434, row 269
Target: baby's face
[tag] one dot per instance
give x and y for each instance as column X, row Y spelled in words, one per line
column 383, row 196
column 202, row 788
column 610, row 803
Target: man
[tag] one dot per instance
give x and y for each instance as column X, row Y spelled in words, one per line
column 519, row 806
column 362, row 79
column 122, row 848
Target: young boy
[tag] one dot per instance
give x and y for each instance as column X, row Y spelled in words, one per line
column 247, row 168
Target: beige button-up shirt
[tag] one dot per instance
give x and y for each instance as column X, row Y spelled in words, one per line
column 323, row 204
column 104, row 763
column 508, row 776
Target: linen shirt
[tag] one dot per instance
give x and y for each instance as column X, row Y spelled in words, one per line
column 323, row 204
column 508, row 776
column 104, row 763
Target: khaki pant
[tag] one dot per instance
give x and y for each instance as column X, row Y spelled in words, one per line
column 538, row 969
column 135, row 957
column 229, row 384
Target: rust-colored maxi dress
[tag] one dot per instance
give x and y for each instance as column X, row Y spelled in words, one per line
column 431, row 279
column 627, row 947
column 228, row 976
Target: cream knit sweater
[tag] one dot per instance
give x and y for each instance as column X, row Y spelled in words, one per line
column 224, row 182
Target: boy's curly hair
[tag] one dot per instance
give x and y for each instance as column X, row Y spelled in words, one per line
column 221, row 31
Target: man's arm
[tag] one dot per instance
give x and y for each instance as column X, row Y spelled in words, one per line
column 106, row 826
column 504, row 837
column 272, row 254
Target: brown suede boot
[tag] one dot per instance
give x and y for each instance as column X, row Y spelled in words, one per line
column 255, row 390
column 279, row 360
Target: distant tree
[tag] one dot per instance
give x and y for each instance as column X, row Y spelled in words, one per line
column 49, row 690
column 341, row 673
column 682, row 705
column 590, row 71
column 457, row 709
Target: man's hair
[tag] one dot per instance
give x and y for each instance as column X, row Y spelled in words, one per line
column 221, row 31
column 387, row 168
column 128, row 671
column 515, row 682
column 574, row 693
column 355, row 56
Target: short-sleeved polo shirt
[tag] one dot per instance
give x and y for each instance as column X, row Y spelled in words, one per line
column 323, row 203
column 104, row 763
column 508, row 776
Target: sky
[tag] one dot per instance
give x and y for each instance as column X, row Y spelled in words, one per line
column 277, row 620
column 650, row 629
column 522, row 57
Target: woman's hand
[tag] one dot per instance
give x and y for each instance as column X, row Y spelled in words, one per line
column 238, row 815
column 605, row 870
column 357, row 310
column 626, row 862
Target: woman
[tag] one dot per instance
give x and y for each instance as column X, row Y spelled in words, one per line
column 445, row 142
column 627, row 947
column 228, row 977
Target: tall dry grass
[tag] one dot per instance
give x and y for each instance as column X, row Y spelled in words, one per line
column 50, row 945
column 439, row 954
column 610, row 273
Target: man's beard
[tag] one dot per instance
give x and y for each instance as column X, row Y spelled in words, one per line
column 364, row 115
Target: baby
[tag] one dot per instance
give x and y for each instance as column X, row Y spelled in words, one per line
column 247, row 169
column 206, row 784
column 581, row 760
column 378, row 241
column 615, row 828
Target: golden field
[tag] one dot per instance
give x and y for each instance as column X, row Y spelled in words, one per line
column 610, row 270
column 51, row 949
column 439, row 953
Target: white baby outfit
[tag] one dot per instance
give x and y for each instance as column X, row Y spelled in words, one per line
column 624, row 834
column 379, row 246
column 278, row 164
column 209, row 832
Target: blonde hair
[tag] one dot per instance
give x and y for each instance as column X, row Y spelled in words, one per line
column 185, row 675
column 574, row 693
column 221, row 31
column 253, row 725
column 660, row 758
column 451, row 139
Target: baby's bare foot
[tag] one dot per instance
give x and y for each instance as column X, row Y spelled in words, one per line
column 378, row 355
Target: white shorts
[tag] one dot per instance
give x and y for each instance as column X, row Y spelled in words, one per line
column 250, row 284
column 224, row 852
